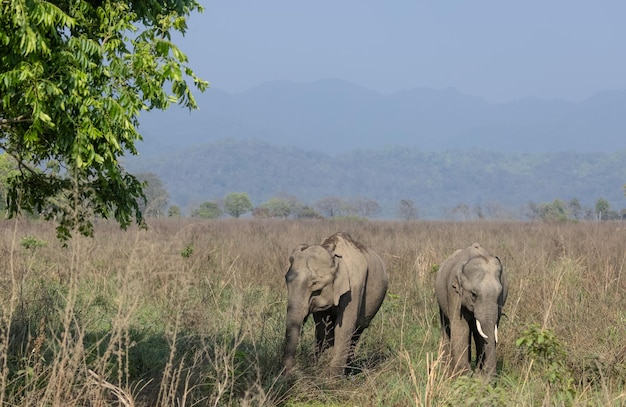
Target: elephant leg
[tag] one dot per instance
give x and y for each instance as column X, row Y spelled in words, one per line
column 445, row 334
column 353, row 342
column 345, row 329
column 485, row 355
column 343, row 340
column 460, row 341
column 324, row 332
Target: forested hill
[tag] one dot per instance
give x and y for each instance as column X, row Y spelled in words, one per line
column 435, row 181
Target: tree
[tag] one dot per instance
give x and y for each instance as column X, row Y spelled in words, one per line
column 554, row 211
column 602, row 209
column 74, row 77
column 173, row 212
column 530, row 210
column 281, row 206
column 277, row 207
column 407, row 209
column 330, row 206
column 207, row 210
column 307, row 212
column 365, row 207
column 237, row 203
column 156, row 195
column 575, row 209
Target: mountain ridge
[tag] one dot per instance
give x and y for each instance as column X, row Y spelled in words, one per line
column 438, row 148
column 336, row 115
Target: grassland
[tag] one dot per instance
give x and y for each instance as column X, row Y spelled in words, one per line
column 191, row 313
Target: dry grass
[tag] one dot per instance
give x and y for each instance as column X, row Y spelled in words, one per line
column 191, row 313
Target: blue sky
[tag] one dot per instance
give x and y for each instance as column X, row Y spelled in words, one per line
column 499, row 50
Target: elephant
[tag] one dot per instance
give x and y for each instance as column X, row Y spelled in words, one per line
column 343, row 284
column 471, row 289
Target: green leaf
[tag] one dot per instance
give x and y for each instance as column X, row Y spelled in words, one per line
column 77, row 81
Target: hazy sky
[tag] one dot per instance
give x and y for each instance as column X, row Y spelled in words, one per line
column 500, row 50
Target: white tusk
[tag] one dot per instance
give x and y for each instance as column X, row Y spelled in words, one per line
column 496, row 333
column 480, row 330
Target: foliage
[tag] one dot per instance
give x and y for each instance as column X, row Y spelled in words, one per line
column 472, row 391
column 237, row 203
column 74, row 77
column 603, row 210
column 173, row 212
column 31, row 243
column 278, row 207
column 543, row 346
column 8, row 169
column 186, row 252
column 307, row 212
column 554, row 211
column 501, row 184
column 559, row 211
column 207, row 210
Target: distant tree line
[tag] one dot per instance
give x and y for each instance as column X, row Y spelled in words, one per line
column 555, row 211
column 237, row 204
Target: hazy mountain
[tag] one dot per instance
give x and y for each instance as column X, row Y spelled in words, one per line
column 337, row 116
column 439, row 148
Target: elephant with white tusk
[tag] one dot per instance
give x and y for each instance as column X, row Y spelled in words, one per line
column 471, row 289
column 343, row 284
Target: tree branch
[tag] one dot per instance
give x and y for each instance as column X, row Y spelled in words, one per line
column 19, row 119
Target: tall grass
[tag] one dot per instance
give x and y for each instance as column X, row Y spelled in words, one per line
column 192, row 313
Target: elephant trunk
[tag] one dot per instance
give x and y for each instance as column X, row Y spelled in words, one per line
column 296, row 315
column 488, row 330
column 483, row 334
column 292, row 335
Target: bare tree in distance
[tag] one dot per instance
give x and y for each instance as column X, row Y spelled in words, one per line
column 407, row 210
column 330, row 206
column 157, row 197
column 365, row 207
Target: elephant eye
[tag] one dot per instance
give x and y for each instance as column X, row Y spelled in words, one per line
column 474, row 294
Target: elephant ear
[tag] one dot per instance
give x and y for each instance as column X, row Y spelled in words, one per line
column 505, row 283
column 456, row 280
column 341, row 285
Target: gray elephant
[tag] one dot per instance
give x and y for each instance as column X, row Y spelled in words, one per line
column 343, row 284
column 471, row 290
